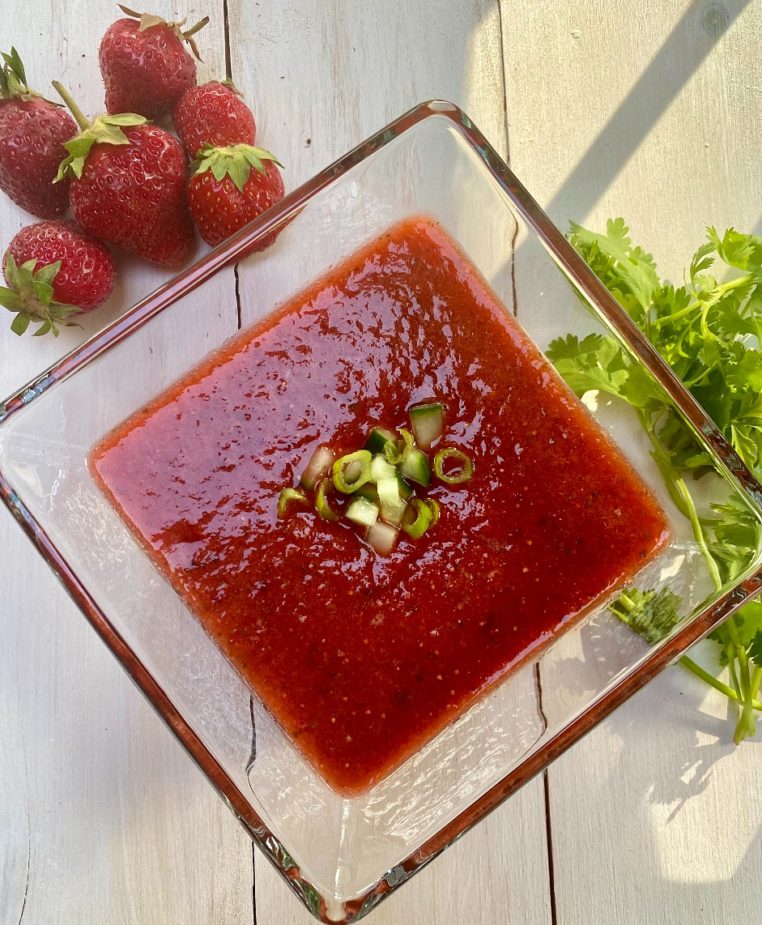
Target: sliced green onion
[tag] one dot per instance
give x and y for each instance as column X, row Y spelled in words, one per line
column 381, row 469
column 415, row 466
column 351, row 471
column 455, row 477
column 382, row 538
column 421, row 519
column 391, row 502
column 318, row 467
column 363, row 512
column 395, row 450
column 322, row 504
column 290, row 496
column 427, row 422
column 378, row 438
column 434, row 508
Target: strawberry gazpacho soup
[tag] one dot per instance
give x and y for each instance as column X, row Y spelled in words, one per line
column 379, row 501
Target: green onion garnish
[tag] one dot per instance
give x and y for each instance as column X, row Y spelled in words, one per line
column 290, row 496
column 455, row 477
column 427, row 422
column 363, row 512
column 322, row 504
column 394, row 450
column 351, row 471
column 421, row 519
column 382, row 480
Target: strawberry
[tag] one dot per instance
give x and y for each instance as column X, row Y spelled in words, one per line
column 32, row 133
column 230, row 188
column 54, row 271
column 144, row 65
column 128, row 185
column 213, row 114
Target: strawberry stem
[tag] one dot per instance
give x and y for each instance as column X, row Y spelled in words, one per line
column 197, row 28
column 79, row 116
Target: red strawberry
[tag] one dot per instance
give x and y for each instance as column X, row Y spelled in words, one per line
column 213, row 114
column 32, row 133
column 144, row 65
column 54, row 270
column 129, row 185
column 230, row 188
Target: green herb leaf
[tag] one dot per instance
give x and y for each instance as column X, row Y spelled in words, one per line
column 652, row 614
column 709, row 331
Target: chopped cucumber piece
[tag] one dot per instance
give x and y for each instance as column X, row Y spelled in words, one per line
column 378, row 438
column 405, row 490
column 427, row 422
column 381, row 469
column 382, row 538
column 362, row 512
column 415, row 467
column 367, row 491
column 391, row 502
column 318, row 467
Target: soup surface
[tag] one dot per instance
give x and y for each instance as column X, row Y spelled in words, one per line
column 362, row 657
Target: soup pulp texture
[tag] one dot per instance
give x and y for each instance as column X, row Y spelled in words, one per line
column 362, row 658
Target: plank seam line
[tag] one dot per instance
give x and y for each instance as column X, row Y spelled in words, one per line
column 507, row 149
column 549, row 841
column 239, row 321
column 28, row 871
column 503, row 78
column 546, row 801
column 228, row 69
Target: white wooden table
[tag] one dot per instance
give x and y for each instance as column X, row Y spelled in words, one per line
column 648, row 110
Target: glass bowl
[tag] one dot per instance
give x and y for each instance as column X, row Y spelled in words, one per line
column 342, row 855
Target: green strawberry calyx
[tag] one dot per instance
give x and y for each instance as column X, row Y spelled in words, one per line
column 13, row 83
column 105, row 129
column 149, row 20
column 234, row 161
column 30, row 297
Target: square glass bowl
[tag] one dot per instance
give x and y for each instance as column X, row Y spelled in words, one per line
column 342, row 855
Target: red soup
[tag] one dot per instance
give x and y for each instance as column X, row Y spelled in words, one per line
column 363, row 657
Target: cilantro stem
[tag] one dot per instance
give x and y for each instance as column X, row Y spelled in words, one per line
column 730, row 656
column 756, row 682
column 674, row 316
column 698, row 533
column 747, row 725
column 718, row 685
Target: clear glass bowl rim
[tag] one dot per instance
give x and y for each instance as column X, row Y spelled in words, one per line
column 583, row 278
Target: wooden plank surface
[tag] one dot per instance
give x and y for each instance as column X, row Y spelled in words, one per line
column 103, row 819
column 321, row 77
column 655, row 816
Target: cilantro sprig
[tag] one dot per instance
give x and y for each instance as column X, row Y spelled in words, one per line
column 709, row 331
